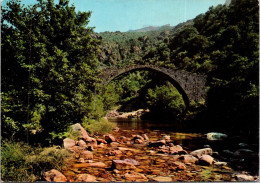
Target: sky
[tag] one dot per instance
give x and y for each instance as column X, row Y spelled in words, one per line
column 124, row 15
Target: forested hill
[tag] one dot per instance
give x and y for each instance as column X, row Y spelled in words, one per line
column 222, row 44
column 122, row 48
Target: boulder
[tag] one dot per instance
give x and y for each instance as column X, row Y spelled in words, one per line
column 138, row 141
column 82, row 132
column 114, row 152
column 81, row 160
column 54, row 176
column 162, row 179
column 123, row 139
column 134, row 176
column 198, row 153
column 216, row 136
column 91, row 142
column 179, row 165
column 219, row 164
column 206, row 160
column 188, row 159
column 122, row 165
column 243, row 177
column 97, row 165
column 85, row 178
column 81, row 143
column 146, row 138
column 244, row 153
column 68, row 143
column 132, row 161
column 177, row 150
column 86, row 155
column 114, row 144
column 109, row 138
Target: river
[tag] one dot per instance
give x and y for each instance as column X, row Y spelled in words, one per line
column 192, row 137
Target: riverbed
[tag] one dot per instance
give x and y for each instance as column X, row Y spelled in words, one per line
column 154, row 162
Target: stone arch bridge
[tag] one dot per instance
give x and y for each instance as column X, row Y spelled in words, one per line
column 191, row 86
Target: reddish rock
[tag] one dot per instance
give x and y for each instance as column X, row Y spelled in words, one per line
column 198, row 153
column 86, row 155
column 138, row 141
column 122, row 165
column 114, row 152
column 146, row 138
column 134, row 176
column 99, row 141
column 85, row 178
column 97, row 165
column 109, row 138
column 54, row 176
column 81, row 143
column 206, row 160
column 138, row 137
column 91, row 142
column 81, row 160
column 188, row 159
column 177, row 150
column 68, row 143
column 123, row 139
column 132, row 161
column 162, row 179
column 179, row 165
column 82, row 132
column 114, row 144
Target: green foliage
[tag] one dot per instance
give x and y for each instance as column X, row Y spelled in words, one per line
column 98, row 127
column 222, row 44
column 165, row 100
column 49, row 67
column 20, row 162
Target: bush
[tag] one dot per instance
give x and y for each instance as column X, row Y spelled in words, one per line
column 98, row 127
column 21, row 162
column 165, row 100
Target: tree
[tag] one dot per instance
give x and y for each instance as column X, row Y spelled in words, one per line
column 49, row 66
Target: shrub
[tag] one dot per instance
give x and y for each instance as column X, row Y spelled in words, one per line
column 21, row 162
column 100, row 127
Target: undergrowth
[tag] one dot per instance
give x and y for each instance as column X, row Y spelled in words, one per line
column 21, row 162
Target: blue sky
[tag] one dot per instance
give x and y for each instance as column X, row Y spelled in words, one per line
column 123, row 15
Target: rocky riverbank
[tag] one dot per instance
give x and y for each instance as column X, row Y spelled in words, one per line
column 122, row 115
column 132, row 155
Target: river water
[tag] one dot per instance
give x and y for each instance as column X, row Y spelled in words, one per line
column 192, row 138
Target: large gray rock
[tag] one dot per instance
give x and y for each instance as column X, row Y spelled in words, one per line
column 82, row 132
column 243, row 177
column 54, row 176
column 216, row 136
column 206, row 160
column 68, row 143
column 198, row 153
column 188, row 159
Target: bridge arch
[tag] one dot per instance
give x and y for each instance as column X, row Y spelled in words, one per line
column 189, row 85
